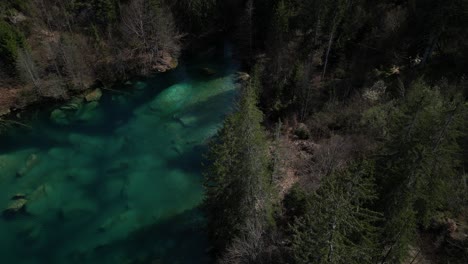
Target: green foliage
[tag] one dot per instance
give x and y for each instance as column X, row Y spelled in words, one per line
column 10, row 41
column 281, row 17
column 339, row 227
column 18, row 5
column 377, row 118
column 106, row 11
column 420, row 157
column 297, row 202
column 236, row 184
column 195, row 15
column 302, row 132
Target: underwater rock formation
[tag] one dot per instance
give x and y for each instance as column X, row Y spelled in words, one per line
column 30, row 163
column 171, row 99
column 77, row 110
column 15, row 207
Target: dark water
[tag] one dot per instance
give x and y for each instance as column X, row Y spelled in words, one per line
column 116, row 181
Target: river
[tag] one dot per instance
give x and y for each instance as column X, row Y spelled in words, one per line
column 118, row 180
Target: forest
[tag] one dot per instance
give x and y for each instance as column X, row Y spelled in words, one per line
column 348, row 143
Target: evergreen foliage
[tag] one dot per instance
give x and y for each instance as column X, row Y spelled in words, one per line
column 339, row 227
column 10, row 41
column 236, row 185
column 420, row 157
column 386, row 77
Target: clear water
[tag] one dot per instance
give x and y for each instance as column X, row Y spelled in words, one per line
column 121, row 183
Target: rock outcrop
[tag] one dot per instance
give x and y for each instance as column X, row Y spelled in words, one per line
column 166, row 62
column 242, row 77
column 94, row 96
column 78, row 109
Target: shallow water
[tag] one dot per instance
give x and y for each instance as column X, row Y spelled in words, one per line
column 118, row 181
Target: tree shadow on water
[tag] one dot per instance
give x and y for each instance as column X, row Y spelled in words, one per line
column 178, row 240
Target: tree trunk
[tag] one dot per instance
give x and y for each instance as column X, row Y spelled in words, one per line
column 429, row 49
column 330, row 242
column 330, row 43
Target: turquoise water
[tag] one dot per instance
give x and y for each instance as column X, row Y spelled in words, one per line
column 118, row 180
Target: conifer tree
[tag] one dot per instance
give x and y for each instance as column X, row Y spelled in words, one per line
column 339, row 227
column 106, row 11
column 420, row 157
column 11, row 40
column 237, row 189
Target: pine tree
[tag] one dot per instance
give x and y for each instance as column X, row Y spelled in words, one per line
column 11, row 40
column 106, row 12
column 197, row 15
column 420, row 156
column 237, row 189
column 339, row 227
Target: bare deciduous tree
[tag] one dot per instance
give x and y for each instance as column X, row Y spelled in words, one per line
column 69, row 57
column 150, row 31
column 246, row 248
column 27, row 68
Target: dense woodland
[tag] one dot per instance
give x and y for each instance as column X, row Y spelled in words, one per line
column 349, row 144
column 349, row 141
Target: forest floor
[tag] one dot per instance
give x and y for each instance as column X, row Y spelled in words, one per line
column 14, row 98
column 295, row 155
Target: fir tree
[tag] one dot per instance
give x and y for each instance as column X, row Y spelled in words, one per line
column 420, row 156
column 339, row 227
column 237, row 188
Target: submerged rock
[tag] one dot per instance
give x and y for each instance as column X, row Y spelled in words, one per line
column 208, row 71
column 114, row 221
column 58, row 116
column 18, row 196
column 185, row 121
column 177, row 149
column 74, row 104
column 30, row 163
column 45, row 201
column 121, row 100
column 94, row 95
column 78, row 209
column 119, row 167
column 87, row 112
column 30, row 232
column 172, row 98
column 11, row 163
column 40, row 192
column 140, row 85
column 15, row 207
column 76, row 110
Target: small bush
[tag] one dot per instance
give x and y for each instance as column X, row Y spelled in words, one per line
column 302, row 132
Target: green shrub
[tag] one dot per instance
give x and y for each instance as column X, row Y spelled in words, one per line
column 10, row 40
column 302, row 132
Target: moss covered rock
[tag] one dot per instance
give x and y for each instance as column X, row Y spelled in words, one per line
column 59, row 116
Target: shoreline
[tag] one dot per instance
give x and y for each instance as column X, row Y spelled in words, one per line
column 18, row 103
